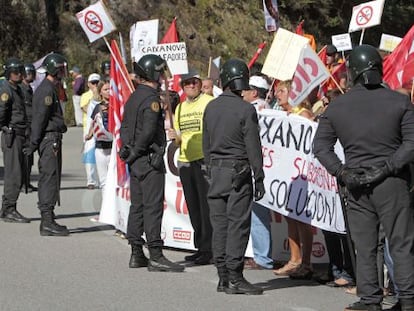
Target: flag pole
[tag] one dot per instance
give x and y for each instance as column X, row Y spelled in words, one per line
column 127, row 80
column 167, row 99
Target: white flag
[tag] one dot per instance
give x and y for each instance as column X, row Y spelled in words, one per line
column 95, row 21
column 366, row 15
column 310, row 72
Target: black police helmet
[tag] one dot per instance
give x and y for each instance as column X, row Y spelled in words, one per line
column 13, row 65
column 53, row 63
column 105, row 66
column 150, row 67
column 331, row 49
column 235, row 75
column 365, row 65
column 30, row 69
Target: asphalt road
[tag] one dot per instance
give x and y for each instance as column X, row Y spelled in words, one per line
column 89, row 269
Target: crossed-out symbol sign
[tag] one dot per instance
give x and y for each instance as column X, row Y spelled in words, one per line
column 364, row 15
column 93, row 22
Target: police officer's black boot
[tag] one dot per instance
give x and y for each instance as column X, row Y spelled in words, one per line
column 49, row 227
column 223, row 279
column 239, row 285
column 158, row 262
column 138, row 258
column 9, row 213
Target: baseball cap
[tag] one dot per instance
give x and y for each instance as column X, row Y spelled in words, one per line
column 331, row 49
column 94, row 77
column 258, row 82
column 75, row 69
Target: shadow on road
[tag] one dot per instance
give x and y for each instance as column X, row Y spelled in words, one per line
column 91, row 229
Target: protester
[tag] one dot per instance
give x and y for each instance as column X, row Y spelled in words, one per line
column 261, row 218
column 13, row 126
column 375, row 127
column 46, row 137
column 187, row 134
column 78, row 86
column 207, row 86
column 88, row 157
column 300, row 235
column 232, row 147
column 143, row 138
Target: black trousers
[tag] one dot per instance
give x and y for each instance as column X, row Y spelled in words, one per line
column 230, row 215
column 50, row 165
column 195, row 188
column 389, row 204
column 147, row 204
column 13, row 159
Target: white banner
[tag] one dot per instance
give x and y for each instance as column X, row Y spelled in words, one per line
column 175, row 54
column 310, row 73
column 389, row 43
column 296, row 184
column 342, row 42
column 284, row 54
column 366, row 15
column 95, row 21
column 141, row 34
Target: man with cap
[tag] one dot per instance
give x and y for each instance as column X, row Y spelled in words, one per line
column 13, row 123
column 88, row 104
column 332, row 63
column 375, row 127
column 187, row 134
column 261, row 217
column 232, row 150
column 78, row 86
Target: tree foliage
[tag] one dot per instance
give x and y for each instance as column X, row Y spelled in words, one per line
column 29, row 29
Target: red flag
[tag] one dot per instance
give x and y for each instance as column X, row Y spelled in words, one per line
column 171, row 36
column 257, row 54
column 322, row 54
column 398, row 66
column 299, row 28
column 121, row 89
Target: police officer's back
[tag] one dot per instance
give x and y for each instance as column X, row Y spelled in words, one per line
column 232, row 148
column 375, row 126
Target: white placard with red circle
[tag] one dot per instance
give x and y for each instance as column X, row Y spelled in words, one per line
column 95, row 21
column 366, row 15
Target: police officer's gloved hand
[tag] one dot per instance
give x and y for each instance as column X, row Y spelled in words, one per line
column 133, row 155
column 376, row 174
column 29, row 149
column 351, row 178
column 124, row 152
column 259, row 190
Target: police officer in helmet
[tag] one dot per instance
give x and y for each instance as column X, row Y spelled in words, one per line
column 13, row 126
column 375, row 126
column 143, row 138
column 232, row 150
column 105, row 68
column 46, row 137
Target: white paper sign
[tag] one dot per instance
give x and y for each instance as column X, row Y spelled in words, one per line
column 366, row 15
column 142, row 34
column 95, row 21
column 175, row 54
column 389, row 43
column 342, row 42
column 284, row 54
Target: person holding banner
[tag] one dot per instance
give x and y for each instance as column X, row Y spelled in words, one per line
column 232, row 149
column 143, row 145
column 375, row 126
column 187, row 133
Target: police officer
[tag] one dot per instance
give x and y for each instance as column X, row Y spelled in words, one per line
column 28, row 77
column 143, row 137
column 375, row 126
column 46, row 137
column 105, row 68
column 13, row 126
column 232, row 147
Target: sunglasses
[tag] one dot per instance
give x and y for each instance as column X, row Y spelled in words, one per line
column 94, row 82
column 192, row 81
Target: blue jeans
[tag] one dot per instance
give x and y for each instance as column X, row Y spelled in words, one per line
column 261, row 235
